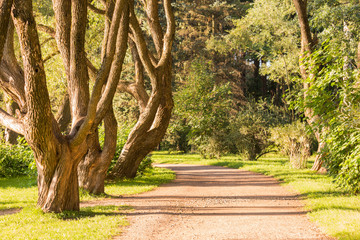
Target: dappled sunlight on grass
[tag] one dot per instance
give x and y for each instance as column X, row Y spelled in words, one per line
column 335, row 211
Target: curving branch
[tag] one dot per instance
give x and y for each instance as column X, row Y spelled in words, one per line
column 11, row 74
column 140, row 42
column 169, row 35
column 152, row 13
column 116, row 68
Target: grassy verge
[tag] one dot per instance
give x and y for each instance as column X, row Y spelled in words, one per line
column 336, row 212
column 99, row 222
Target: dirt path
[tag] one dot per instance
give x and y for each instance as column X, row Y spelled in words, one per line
column 207, row 202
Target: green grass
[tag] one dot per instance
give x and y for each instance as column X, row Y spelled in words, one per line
column 99, row 222
column 335, row 211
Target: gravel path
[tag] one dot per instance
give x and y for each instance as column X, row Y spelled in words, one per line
column 208, row 202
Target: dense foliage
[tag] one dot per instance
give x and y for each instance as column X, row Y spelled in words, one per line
column 16, row 160
column 334, row 96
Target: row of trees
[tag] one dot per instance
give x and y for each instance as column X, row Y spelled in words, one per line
column 67, row 157
column 295, row 54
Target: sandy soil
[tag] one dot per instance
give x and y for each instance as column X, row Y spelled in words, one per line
column 208, row 202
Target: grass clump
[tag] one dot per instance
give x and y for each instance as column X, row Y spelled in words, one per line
column 334, row 210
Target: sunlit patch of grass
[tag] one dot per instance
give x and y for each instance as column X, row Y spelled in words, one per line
column 335, row 211
column 342, row 224
column 100, row 222
column 18, row 192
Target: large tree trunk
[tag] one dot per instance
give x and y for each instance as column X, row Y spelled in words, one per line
column 58, row 188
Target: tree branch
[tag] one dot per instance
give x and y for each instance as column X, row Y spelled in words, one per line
column 51, row 56
column 169, row 35
column 11, row 74
column 152, row 13
column 141, row 46
column 102, row 75
column 11, row 122
column 116, row 67
column 5, row 7
column 62, row 10
column 95, row 9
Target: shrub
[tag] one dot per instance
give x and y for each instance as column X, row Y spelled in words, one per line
column 293, row 140
column 16, row 160
column 250, row 129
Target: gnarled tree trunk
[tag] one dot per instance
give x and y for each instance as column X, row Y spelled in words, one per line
column 155, row 111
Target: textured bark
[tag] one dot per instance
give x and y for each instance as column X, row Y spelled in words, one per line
column 5, row 7
column 63, row 116
column 307, row 44
column 57, row 182
column 93, row 168
column 142, row 141
column 11, row 136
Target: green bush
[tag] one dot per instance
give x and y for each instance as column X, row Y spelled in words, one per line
column 250, row 129
column 294, row 141
column 16, row 160
column 334, row 97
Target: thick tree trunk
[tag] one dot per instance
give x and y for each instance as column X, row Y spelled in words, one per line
column 58, row 188
column 141, row 143
column 93, row 168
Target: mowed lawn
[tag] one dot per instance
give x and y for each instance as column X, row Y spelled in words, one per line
column 333, row 210
column 98, row 222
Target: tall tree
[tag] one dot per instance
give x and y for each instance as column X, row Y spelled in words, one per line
column 155, row 109
column 307, row 46
column 57, row 156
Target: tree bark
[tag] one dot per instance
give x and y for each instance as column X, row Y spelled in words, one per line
column 11, row 136
column 93, row 168
column 63, row 116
